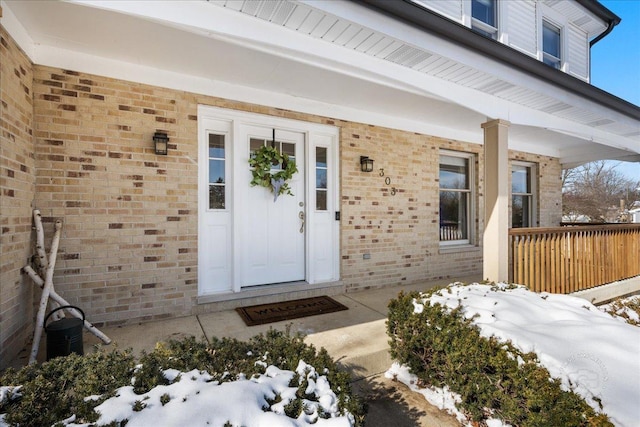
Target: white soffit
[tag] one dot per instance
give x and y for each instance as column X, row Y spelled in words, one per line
column 578, row 16
column 316, row 58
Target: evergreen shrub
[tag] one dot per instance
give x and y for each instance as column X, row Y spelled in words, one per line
column 624, row 307
column 494, row 379
column 55, row 390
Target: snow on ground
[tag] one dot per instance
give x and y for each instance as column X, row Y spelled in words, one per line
column 590, row 351
column 193, row 399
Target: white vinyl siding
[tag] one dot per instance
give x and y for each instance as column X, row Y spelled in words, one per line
column 522, row 26
column 578, row 53
column 452, row 9
column 519, row 25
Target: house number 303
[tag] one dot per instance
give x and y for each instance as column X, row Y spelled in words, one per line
column 387, row 181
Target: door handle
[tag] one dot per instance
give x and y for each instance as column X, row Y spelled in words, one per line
column 301, row 216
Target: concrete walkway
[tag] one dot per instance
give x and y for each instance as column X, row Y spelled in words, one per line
column 356, row 338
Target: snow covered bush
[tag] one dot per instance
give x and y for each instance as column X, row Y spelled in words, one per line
column 626, row 308
column 494, row 379
column 274, row 378
column 55, row 390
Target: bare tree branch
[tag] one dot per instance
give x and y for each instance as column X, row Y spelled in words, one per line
column 598, row 192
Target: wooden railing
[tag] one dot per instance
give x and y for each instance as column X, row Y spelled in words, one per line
column 569, row 259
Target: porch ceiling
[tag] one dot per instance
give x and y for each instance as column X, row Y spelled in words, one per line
column 336, row 59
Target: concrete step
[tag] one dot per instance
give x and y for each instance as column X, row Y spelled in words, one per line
column 391, row 403
column 363, row 350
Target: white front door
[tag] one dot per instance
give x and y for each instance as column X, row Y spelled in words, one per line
column 245, row 238
column 272, row 230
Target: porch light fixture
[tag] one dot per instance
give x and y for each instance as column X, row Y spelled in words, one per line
column 366, row 164
column 161, row 142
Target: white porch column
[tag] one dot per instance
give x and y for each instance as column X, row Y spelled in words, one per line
column 495, row 241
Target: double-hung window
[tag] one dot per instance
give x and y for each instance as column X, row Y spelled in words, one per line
column 551, row 45
column 456, row 197
column 484, row 17
column 522, row 195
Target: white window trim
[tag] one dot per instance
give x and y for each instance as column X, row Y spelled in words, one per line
column 483, row 26
column 469, row 21
column 545, row 13
column 561, row 36
column 227, row 167
column 471, row 157
column 533, row 169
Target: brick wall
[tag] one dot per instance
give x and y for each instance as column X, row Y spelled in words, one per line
column 128, row 248
column 400, row 232
column 17, row 188
column 129, row 245
column 129, row 242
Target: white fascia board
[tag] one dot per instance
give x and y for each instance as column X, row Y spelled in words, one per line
column 246, row 31
column 620, row 146
column 254, row 33
column 242, row 30
column 527, row 147
column 17, row 31
column 576, row 156
column 60, row 58
column 420, row 39
column 231, row 26
column 496, row 108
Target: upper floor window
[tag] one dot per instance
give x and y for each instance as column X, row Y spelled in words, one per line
column 522, row 195
column 551, row 45
column 484, row 17
column 456, row 197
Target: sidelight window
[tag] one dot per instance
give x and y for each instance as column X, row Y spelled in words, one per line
column 321, row 178
column 217, row 172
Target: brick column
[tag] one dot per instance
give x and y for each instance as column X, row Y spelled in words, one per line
column 495, row 240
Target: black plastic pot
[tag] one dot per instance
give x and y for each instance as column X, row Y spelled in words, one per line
column 64, row 336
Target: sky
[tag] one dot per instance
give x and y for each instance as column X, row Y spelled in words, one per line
column 615, row 62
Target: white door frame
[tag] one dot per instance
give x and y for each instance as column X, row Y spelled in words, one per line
column 322, row 243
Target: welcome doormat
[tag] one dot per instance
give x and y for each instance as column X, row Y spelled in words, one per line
column 275, row 312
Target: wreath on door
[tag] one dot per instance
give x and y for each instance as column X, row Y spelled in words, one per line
column 262, row 161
